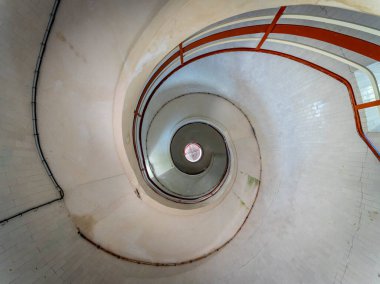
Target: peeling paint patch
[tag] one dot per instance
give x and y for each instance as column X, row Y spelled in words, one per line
column 252, row 181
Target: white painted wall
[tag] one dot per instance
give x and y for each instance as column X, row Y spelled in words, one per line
column 23, row 180
column 316, row 219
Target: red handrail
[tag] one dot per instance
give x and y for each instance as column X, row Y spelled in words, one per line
column 360, row 46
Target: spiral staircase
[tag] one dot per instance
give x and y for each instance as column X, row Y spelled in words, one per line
column 190, row 141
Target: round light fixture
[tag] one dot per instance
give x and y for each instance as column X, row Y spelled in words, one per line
column 193, row 152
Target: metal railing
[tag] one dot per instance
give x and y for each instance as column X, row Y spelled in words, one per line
column 190, row 50
column 34, row 117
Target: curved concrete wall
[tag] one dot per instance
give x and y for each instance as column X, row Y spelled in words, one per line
column 316, row 219
column 319, row 192
column 23, row 180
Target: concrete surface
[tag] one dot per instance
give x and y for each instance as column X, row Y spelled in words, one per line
column 23, row 180
column 317, row 217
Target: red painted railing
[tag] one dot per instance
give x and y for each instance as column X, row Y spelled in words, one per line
column 357, row 45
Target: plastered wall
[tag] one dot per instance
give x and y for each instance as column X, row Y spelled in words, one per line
column 316, row 219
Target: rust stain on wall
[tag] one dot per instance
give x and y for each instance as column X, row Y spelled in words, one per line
column 85, row 223
column 63, row 39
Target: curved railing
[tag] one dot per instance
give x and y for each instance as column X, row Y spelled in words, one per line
column 34, row 98
column 34, row 117
column 244, row 31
